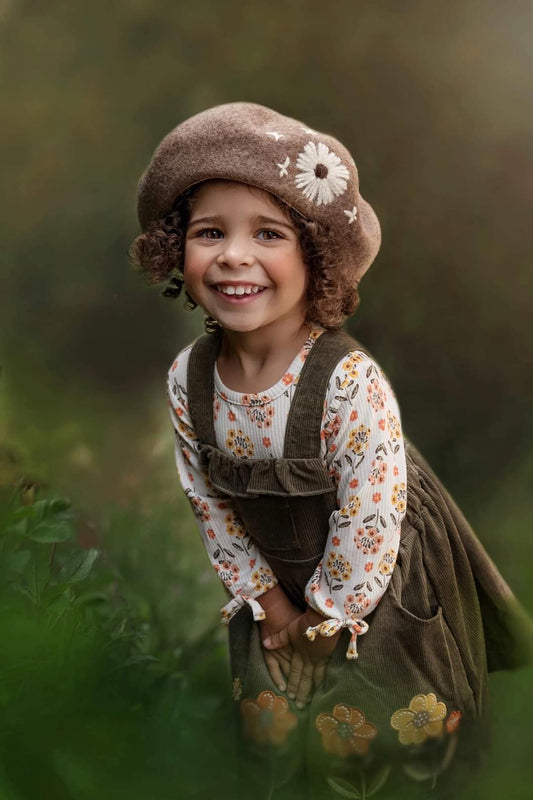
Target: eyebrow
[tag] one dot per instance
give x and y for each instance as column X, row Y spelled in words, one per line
column 258, row 219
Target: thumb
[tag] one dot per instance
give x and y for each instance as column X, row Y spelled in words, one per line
column 277, row 640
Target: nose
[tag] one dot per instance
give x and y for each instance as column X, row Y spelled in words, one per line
column 235, row 252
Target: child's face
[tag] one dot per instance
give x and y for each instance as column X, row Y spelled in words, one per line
column 243, row 262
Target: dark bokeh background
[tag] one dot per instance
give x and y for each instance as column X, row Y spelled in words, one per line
column 434, row 101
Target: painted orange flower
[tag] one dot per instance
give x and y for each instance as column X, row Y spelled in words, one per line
column 267, row 720
column 452, row 723
column 421, row 720
column 346, row 731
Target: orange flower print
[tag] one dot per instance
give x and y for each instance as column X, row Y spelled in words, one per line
column 376, row 497
column 267, row 720
column 339, row 567
column 354, row 483
column 216, row 407
column 354, row 605
column 335, row 541
column 228, row 573
column 393, row 425
column 200, row 508
column 288, row 379
column 345, row 732
column 381, row 424
column 263, row 578
column 252, row 563
column 423, row 719
column 395, row 471
column 259, row 409
column 231, row 416
column 386, row 565
column 368, row 566
column 378, row 472
column 375, row 395
column 358, row 439
column 266, row 442
column 239, row 444
column 329, row 603
column 452, row 723
column 353, row 415
column 211, row 533
column 234, row 528
column 369, row 540
column 399, row 497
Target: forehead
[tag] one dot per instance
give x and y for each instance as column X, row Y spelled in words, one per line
column 216, row 192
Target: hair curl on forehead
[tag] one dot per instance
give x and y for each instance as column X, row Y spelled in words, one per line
column 332, row 293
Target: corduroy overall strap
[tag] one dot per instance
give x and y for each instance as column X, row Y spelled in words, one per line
column 302, row 436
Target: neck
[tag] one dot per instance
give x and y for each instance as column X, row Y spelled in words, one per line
column 250, row 352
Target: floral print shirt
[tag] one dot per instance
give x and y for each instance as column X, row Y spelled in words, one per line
column 362, row 448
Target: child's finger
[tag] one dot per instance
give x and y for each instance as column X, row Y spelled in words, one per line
column 295, row 675
column 276, row 640
column 306, row 685
column 275, row 671
column 284, row 655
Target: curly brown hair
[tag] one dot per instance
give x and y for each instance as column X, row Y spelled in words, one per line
column 333, row 292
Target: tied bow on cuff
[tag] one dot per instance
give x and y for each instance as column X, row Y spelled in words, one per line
column 236, row 603
column 331, row 626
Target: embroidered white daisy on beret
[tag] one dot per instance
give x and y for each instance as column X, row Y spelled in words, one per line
column 322, row 176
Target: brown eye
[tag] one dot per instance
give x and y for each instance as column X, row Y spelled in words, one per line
column 269, row 235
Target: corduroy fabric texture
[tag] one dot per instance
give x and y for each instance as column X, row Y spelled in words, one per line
column 311, row 171
column 446, row 618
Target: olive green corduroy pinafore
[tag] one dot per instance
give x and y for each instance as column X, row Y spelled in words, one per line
column 445, row 620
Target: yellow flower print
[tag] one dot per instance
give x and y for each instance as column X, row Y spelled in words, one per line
column 421, row 720
column 186, row 430
column 399, row 497
column 346, row 731
column 239, row 444
column 339, row 567
column 233, row 527
column 359, row 438
column 267, row 720
column 353, row 507
column 386, row 565
column 393, row 424
column 263, row 578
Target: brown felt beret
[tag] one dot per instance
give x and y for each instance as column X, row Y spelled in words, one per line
column 311, row 171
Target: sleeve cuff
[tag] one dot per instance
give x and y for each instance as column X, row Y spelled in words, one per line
column 235, row 605
column 331, row 626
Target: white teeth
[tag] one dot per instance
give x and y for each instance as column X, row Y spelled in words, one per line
column 239, row 290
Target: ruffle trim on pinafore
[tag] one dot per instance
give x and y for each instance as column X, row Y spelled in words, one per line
column 331, row 626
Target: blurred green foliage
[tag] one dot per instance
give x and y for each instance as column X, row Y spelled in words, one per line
column 433, row 100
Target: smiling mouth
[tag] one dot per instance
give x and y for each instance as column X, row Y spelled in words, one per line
column 239, row 290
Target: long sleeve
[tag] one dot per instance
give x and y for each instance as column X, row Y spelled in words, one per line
column 364, row 450
column 239, row 565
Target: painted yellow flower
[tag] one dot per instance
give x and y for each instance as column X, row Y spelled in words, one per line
column 393, row 424
column 358, row 439
column 267, row 720
column 233, row 527
column 421, row 720
column 399, row 497
column 387, row 562
column 339, row 566
column 263, row 578
column 239, row 444
column 346, row 731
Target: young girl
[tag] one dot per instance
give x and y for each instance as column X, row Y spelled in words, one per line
column 363, row 611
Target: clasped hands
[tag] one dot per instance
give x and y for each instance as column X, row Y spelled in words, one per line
column 296, row 665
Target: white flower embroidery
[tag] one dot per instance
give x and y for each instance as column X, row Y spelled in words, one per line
column 323, row 176
column 352, row 215
column 275, row 135
column 283, row 167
